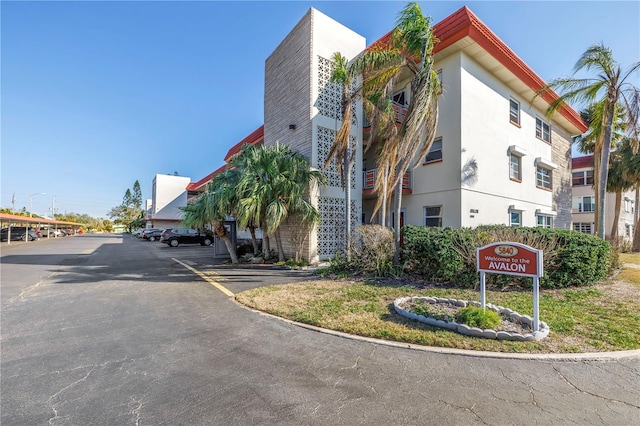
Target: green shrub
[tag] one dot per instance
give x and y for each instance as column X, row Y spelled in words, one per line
column 448, row 256
column 478, row 317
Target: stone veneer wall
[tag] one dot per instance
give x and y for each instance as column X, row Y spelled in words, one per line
column 287, row 102
column 561, row 155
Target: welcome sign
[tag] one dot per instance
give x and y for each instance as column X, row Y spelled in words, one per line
column 512, row 259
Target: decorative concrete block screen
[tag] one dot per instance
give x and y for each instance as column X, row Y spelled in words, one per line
column 325, row 140
column 331, row 231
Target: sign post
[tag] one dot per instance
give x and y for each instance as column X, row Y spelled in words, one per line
column 511, row 259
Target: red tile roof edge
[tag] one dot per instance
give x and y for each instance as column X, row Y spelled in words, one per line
column 254, row 137
column 463, row 23
column 205, row 180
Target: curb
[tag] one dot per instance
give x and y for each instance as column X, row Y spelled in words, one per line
column 564, row 357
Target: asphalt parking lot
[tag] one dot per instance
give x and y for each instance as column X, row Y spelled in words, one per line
column 105, row 329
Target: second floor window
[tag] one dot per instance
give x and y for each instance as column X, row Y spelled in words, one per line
column 543, row 177
column 435, row 153
column 514, row 112
column 543, row 131
column 582, row 178
column 515, row 167
column 584, row 204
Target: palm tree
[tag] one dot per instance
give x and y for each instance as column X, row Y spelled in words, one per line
column 618, row 182
column 631, row 173
column 212, row 207
column 593, row 139
column 273, row 187
column 612, row 91
column 413, row 41
column 369, row 82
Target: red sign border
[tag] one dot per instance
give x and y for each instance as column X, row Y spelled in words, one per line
column 537, row 253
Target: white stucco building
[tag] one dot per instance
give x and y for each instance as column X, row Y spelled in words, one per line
column 497, row 159
column 584, row 203
column 169, row 193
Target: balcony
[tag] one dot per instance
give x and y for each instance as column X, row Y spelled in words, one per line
column 369, row 181
column 399, row 113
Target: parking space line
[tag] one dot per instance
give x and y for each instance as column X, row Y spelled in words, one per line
column 206, row 278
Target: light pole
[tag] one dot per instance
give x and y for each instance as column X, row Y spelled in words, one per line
column 31, row 201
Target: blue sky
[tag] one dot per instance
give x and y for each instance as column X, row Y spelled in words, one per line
column 97, row 95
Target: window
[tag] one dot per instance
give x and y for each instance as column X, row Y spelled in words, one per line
column 586, row 228
column 544, row 221
column 515, row 218
column 435, row 153
column 584, row 204
column 515, row 167
column 543, row 131
column 433, row 216
column 628, row 230
column 582, row 178
column 543, row 177
column 628, row 205
column 514, row 112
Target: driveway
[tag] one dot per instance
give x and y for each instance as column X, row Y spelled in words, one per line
column 111, row 330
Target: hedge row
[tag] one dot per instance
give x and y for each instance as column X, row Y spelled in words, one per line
column 448, row 256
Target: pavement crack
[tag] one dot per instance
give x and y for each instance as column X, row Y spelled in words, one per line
column 595, row 395
column 135, row 407
column 469, row 409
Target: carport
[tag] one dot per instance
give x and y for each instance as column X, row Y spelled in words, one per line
column 11, row 220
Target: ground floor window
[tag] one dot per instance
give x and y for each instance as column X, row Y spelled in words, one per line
column 584, row 227
column 433, row 216
column 544, row 221
column 628, row 230
column 515, row 218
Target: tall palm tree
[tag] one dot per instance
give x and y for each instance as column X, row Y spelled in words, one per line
column 619, row 180
column 413, row 40
column 612, row 90
column 631, row 172
column 379, row 68
column 592, row 140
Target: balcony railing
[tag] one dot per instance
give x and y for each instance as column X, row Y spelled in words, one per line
column 399, row 111
column 369, row 179
column 399, row 114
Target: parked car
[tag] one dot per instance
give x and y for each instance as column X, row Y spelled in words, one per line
column 137, row 233
column 152, row 234
column 52, row 233
column 176, row 236
column 18, row 233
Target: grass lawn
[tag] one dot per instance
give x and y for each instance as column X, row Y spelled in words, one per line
column 604, row 317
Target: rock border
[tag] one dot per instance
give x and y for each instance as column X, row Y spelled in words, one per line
column 473, row 331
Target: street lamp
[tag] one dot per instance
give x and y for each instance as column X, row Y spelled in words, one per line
column 31, row 201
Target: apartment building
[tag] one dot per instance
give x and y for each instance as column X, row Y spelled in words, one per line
column 497, row 158
column 584, row 203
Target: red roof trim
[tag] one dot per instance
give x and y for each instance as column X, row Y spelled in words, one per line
column 582, row 162
column 254, row 138
column 205, row 180
column 463, row 23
